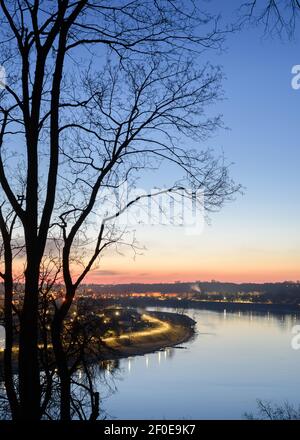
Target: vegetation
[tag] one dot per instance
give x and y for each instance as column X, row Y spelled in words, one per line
column 269, row 411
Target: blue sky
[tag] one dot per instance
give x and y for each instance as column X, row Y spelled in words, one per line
column 257, row 237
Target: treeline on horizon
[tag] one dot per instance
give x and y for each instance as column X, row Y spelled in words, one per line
column 288, row 291
column 194, row 286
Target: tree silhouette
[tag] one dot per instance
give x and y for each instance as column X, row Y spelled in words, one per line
column 278, row 17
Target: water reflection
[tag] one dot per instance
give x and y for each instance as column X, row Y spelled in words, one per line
column 156, row 360
column 2, row 337
column 234, row 359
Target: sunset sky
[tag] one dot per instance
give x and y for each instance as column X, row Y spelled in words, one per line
column 255, row 238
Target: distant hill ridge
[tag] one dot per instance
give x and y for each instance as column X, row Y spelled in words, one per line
column 198, row 286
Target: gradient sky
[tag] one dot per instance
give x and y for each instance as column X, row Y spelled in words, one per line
column 257, row 237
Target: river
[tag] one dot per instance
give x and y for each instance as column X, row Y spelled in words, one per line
column 233, row 360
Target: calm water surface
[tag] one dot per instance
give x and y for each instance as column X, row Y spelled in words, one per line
column 234, row 359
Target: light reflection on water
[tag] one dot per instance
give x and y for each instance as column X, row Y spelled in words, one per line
column 2, row 337
column 234, row 359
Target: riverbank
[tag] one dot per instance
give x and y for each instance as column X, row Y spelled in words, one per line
column 168, row 330
column 165, row 330
column 217, row 306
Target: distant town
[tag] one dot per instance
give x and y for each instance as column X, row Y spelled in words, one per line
column 287, row 292
column 284, row 293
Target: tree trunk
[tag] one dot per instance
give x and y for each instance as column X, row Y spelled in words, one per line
column 29, row 375
column 63, row 370
column 9, row 339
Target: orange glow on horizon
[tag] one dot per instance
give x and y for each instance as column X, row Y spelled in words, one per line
column 189, row 267
column 159, row 277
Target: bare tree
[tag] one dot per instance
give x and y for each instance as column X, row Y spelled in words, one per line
column 96, row 93
column 269, row 411
column 276, row 16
